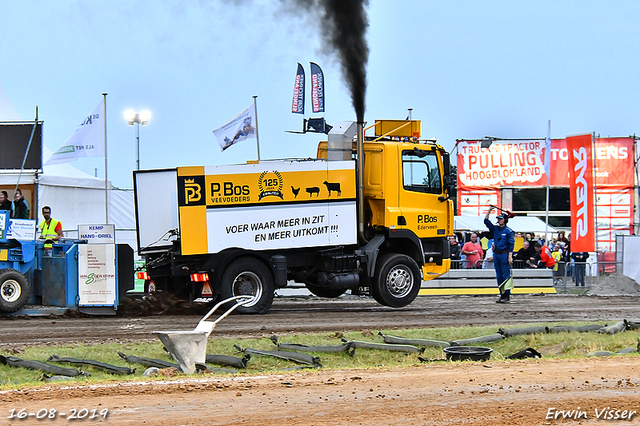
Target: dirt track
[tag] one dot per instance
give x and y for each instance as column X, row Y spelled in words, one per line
column 488, row 393
column 351, row 313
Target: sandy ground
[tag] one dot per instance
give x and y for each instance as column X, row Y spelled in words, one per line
column 528, row 392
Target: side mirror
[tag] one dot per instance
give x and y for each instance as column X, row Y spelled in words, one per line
column 446, row 162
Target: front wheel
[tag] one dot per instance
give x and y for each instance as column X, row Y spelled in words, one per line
column 14, row 290
column 397, row 280
column 249, row 277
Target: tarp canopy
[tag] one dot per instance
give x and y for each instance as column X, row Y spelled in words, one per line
column 518, row 224
column 75, row 198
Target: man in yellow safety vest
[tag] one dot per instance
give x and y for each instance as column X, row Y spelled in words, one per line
column 50, row 229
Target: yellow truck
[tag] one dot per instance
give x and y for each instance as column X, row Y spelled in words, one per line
column 370, row 215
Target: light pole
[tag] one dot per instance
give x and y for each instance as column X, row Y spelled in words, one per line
column 132, row 118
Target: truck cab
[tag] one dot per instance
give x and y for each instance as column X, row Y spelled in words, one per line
column 371, row 217
column 406, row 192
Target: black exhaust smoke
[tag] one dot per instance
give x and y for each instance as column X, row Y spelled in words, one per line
column 343, row 25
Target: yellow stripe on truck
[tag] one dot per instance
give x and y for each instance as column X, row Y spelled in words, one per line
column 192, row 210
column 478, row 290
column 192, row 221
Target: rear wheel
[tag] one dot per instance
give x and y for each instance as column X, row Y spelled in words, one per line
column 248, row 277
column 397, row 280
column 14, row 290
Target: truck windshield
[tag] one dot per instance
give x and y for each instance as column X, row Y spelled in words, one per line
column 421, row 174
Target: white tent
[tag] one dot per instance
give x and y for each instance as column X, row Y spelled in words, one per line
column 77, row 198
column 80, row 201
column 518, row 224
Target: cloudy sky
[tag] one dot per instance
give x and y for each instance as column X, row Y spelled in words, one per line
column 466, row 68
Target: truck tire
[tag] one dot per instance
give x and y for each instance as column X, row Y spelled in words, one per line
column 397, row 280
column 249, row 276
column 14, row 290
column 324, row 291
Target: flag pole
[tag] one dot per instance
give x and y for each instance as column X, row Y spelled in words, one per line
column 255, row 107
column 595, row 190
column 547, row 169
column 106, row 192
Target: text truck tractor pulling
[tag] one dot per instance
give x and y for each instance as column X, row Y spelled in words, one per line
column 370, row 215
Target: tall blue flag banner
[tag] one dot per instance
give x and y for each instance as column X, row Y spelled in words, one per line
column 241, row 127
column 86, row 141
column 317, row 88
column 297, row 107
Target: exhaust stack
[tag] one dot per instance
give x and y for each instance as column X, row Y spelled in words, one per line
column 340, row 147
column 340, row 141
column 360, row 180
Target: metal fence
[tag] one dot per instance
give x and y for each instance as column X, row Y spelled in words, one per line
column 568, row 277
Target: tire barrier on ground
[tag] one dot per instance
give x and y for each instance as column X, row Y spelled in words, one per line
column 42, row 366
column 395, row 340
column 148, row 362
column 386, row 347
column 615, row 328
column 348, row 347
column 229, row 361
column 288, row 355
column 481, row 339
column 109, row 368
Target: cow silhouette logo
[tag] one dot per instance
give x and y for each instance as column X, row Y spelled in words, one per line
column 295, row 191
column 333, row 186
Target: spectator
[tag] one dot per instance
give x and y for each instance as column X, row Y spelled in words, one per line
column 488, row 257
column 546, row 259
column 473, row 250
column 454, row 250
column 20, row 206
column 558, row 268
column 525, row 256
column 557, row 255
column 504, row 240
column 5, row 204
column 567, row 256
column 562, row 240
column 579, row 267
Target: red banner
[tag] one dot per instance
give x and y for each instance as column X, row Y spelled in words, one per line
column 521, row 163
column 613, row 160
column 581, row 190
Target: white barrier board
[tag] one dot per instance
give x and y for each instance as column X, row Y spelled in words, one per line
column 97, row 274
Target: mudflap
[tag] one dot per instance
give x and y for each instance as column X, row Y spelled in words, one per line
column 432, row 270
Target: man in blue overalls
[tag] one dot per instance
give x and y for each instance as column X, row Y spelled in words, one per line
column 504, row 240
